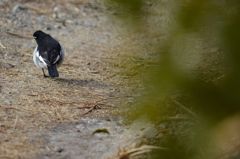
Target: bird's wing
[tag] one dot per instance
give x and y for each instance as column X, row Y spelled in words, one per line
column 54, row 55
column 50, row 50
column 43, row 56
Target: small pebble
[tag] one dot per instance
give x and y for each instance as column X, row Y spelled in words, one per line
column 17, row 8
column 60, row 149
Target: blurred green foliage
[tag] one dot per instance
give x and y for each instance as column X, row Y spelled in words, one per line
column 197, row 74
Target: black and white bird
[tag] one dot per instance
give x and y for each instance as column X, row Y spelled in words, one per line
column 48, row 54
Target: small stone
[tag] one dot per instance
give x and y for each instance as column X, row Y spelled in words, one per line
column 48, row 28
column 58, row 26
column 60, row 149
column 7, row 65
column 17, row 8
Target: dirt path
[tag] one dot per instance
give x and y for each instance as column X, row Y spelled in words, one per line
column 32, row 108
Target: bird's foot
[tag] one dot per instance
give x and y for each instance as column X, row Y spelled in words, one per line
column 45, row 76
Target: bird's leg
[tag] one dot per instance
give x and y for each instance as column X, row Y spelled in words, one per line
column 44, row 73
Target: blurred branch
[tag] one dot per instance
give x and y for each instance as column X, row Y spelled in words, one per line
column 184, row 108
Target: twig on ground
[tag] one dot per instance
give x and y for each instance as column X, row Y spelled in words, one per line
column 14, row 108
column 2, row 46
column 15, row 122
column 85, row 107
column 139, row 151
column 38, row 10
column 95, row 106
column 57, row 101
column 9, row 107
column 88, row 107
column 19, row 35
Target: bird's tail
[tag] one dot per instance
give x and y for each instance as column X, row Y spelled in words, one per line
column 52, row 70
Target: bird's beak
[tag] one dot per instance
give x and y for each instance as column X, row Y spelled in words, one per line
column 35, row 37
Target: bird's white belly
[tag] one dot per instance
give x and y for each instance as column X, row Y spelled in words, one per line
column 38, row 60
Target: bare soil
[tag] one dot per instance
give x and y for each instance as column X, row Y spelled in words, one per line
column 40, row 117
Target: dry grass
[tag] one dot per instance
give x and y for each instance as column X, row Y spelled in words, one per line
column 30, row 103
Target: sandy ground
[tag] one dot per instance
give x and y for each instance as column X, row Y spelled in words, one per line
column 35, row 111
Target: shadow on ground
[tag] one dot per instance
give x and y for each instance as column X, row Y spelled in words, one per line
column 81, row 82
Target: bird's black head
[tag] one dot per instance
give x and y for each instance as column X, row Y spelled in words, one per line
column 38, row 35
